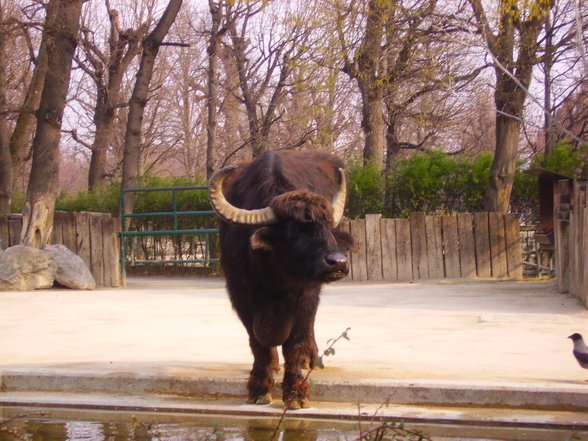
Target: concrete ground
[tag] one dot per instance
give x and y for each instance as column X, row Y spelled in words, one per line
column 456, row 343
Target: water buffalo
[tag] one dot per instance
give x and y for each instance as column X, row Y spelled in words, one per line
column 278, row 246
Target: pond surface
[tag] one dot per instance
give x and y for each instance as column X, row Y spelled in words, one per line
column 36, row 424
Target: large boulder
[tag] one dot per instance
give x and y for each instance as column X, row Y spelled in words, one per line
column 24, row 268
column 72, row 272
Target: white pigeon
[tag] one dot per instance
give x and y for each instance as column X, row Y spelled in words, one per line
column 580, row 350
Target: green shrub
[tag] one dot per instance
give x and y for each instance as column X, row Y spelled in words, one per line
column 366, row 190
column 103, row 200
column 564, row 159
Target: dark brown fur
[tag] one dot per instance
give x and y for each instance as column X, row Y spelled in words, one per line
column 274, row 273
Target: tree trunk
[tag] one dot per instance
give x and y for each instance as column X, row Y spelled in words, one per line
column 503, row 167
column 212, row 98
column 97, row 170
column 108, row 78
column 365, row 69
column 134, row 129
column 373, row 123
column 5, row 162
column 44, row 179
column 513, row 75
column 26, row 119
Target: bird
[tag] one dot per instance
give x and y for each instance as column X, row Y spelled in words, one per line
column 580, row 350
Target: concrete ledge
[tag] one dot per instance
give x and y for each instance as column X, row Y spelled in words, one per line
column 405, row 392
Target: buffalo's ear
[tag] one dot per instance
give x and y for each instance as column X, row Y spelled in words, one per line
column 261, row 239
column 345, row 241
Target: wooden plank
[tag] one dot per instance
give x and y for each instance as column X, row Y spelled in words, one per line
column 403, row 249
column 514, row 252
column 583, row 245
column 434, row 247
column 14, row 228
column 450, row 246
column 418, row 234
column 562, row 235
column 482, row 242
column 57, row 235
column 467, row 248
column 373, row 246
column 82, row 222
column 573, row 249
column 68, row 231
column 96, row 250
column 4, row 237
column 497, row 245
column 358, row 260
column 389, row 262
column 111, row 255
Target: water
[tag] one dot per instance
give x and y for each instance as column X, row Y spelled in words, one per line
column 33, row 424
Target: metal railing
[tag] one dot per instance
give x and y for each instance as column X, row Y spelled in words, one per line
column 205, row 257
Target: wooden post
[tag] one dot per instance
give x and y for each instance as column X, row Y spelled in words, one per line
column 561, row 215
column 514, row 252
column 358, row 259
column 82, row 222
column 467, row 248
column 373, row 246
column 96, row 249
column 389, row 259
column 450, row 246
column 434, row 247
column 14, row 227
column 497, row 245
column 404, row 250
column 4, row 238
column 418, row 234
column 482, row 242
column 68, row 231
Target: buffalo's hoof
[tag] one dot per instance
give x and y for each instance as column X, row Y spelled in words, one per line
column 262, row 399
column 296, row 404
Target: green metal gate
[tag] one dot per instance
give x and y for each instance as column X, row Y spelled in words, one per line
column 204, row 235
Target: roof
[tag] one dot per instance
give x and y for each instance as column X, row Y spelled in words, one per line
column 548, row 174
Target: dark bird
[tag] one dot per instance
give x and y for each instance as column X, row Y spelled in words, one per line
column 580, row 350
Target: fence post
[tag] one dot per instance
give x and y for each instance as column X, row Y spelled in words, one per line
column 373, row 233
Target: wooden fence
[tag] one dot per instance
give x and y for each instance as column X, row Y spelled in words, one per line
column 571, row 237
column 92, row 236
column 433, row 247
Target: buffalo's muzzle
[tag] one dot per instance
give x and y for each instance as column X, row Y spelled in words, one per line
column 337, row 264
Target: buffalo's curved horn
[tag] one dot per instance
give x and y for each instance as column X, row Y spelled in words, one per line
column 232, row 214
column 339, row 199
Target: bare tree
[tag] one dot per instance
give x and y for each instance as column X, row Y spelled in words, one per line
column 107, row 68
column 26, row 119
column 18, row 117
column 364, row 64
column 222, row 17
column 43, row 182
column 561, row 63
column 5, row 161
column 264, row 61
column 133, row 134
column 513, row 47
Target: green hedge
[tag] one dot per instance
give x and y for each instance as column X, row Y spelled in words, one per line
column 435, row 182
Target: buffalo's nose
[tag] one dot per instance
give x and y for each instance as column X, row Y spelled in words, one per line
column 337, row 262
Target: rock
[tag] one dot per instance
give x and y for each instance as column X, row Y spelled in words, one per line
column 72, row 272
column 24, row 268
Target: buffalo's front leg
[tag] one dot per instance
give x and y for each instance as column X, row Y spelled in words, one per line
column 295, row 389
column 261, row 380
column 309, row 352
